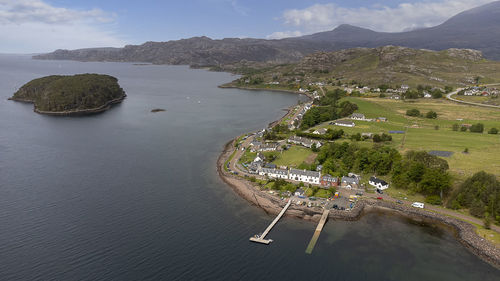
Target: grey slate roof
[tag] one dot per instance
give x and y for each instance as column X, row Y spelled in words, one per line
column 304, row 173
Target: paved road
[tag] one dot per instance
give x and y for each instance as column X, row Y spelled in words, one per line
column 448, row 96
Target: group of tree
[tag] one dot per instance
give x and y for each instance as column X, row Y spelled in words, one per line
column 328, row 108
column 481, row 195
column 329, row 135
column 382, row 138
column 423, row 173
column 413, row 112
column 475, row 128
column 418, row 172
column 416, row 113
column 341, row 158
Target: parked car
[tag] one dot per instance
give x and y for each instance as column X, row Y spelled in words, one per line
column 359, row 193
column 380, row 191
column 399, row 202
column 418, row 205
column 380, row 198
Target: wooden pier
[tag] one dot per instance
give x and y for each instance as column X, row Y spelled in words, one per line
column 261, row 238
column 317, row 232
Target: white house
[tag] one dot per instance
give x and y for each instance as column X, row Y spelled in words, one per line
column 358, row 116
column 321, row 131
column 305, row 176
column 268, row 147
column 378, row 183
column 427, row 95
column 274, row 173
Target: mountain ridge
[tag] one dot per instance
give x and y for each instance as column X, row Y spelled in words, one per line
column 477, row 28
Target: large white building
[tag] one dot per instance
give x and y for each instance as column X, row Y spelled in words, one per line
column 305, row 176
column 274, row 173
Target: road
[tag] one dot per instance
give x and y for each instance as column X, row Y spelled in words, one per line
column 448, row 96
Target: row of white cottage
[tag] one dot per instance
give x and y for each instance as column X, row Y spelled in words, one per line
column 314, row 177
column 292, row 174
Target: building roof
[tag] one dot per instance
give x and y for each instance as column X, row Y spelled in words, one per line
column 304, row 173
column 377, row 180
column 270, row 166
column 350, row 180
column 344, row 122
column 274, row 171
column 358, row 115
column 327, row 177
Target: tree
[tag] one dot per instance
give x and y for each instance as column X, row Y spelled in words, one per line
column 435, row 182
column 477, row 128
column 481, row 194
column 376, row 138
column 356, row 137
column 455, row 127
column 493, row 131
column 431, row 114
column 463, row 129
column 413, row 112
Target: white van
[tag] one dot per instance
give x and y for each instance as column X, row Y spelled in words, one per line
column 418, row 205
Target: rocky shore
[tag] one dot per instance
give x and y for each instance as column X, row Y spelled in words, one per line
column 464, row 232
column 89, row 111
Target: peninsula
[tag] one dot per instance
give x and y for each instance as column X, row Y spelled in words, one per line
column 71, row 95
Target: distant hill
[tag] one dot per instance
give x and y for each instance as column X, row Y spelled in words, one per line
column 478, row 29
column 68, row 95
column 390, row 65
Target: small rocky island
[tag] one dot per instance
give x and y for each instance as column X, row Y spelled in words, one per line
column 71, row 95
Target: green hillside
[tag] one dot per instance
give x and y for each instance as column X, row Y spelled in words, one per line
column 375, row 66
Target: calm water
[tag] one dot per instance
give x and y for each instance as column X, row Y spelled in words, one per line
column 132, row 195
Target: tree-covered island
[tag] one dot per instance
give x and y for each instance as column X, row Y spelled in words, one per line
column 71, row 95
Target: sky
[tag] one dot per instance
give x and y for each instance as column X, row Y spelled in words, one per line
column 34, row 26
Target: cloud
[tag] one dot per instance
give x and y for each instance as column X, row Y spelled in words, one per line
column 35, row 26
column 405, row 16
column 284, row 34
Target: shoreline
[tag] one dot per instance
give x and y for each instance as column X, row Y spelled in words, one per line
column 464, row 232
column 76, row 112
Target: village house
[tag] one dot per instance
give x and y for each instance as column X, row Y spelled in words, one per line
column 395, row 97
column 367, row 135
column 305, row 176
column 268, row 147
column 321, row 131
column 378, row 183
column 299, row 192
column 343, row 123
column 304, row 141
column 427, row 95
column 358, row 116
column 328, row 181
column 381, row 119
column 349, row 182
column 274, row 173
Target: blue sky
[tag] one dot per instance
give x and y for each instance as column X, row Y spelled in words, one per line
column 45, row 25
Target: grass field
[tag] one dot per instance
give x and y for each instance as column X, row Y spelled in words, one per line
column 293, row 156
column 484, row 149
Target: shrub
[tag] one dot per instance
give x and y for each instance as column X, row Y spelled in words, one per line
column 413, row 112
column 433, row 199
column 463, row 129
column 431, row 115
column 477, row 128
column 455, row 127
column 493, row 131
